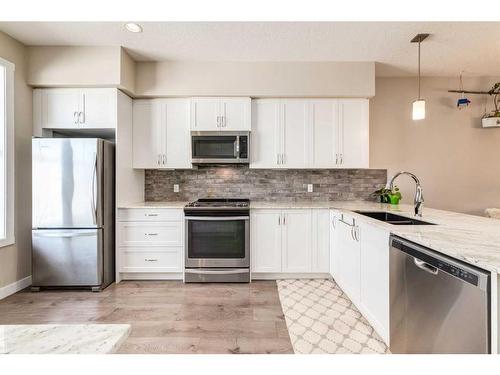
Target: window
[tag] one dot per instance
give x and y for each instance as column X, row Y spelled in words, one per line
column 6, row 153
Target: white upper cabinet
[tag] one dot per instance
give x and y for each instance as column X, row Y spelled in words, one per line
column 265, row 139
column 323, row 144
column 161, row 135
column 353, row 130
column 294, row 133
column 221, row 114
column 310, row 133
column 236, row 114
column 147, row 131
column 73, row 108
column 99, row 108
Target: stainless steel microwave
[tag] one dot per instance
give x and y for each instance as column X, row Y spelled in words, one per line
column 220, row 147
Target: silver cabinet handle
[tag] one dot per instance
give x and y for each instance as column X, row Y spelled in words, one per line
column 283, row 159
column 284, row 219
column 279, row 220
column 218, row 122
column 223, row 121
column 159, row 159
column 336, row 159
column 341, row 158
column 150, row 260
column 82, row 114
column 150, row 214
column 164, row 159
column 75, row 117
column 150, row 234
column 333, row 222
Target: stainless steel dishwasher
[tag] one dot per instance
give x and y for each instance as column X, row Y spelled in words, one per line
column 437, row 304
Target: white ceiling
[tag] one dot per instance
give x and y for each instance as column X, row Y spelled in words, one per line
column 473, row 47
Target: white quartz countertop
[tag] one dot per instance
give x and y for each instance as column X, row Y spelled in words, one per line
column 62, row 338
column 473, row 239
column 171, row 204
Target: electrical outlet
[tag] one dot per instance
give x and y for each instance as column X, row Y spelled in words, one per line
column 176, row 188
column 309, row 188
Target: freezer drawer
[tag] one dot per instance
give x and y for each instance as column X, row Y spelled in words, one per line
column 64, row 257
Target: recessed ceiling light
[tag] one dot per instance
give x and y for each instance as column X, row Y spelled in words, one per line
column 133, row 27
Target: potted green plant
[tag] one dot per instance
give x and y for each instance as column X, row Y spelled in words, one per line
column 493, row 118
column 388, row 196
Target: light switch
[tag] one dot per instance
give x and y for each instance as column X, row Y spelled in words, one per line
column 176, row 188
column 309, row 188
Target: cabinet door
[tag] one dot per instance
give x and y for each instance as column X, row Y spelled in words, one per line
column 265, row 240
column 266, row 133
column 205, row 114
column 375, row 277
column 334, row 261
column 294, row 133
column 353, row 123
column 348, row 257
column 60, row 108
column 296, row 243
column 176, row 133
column 321, row 241
column 236, row 114
column 323, row 132
column 147, row 134
column 98, row 108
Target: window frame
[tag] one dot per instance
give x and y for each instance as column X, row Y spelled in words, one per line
column 9, row 148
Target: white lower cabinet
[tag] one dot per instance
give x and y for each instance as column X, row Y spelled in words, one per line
column 375, row 277
column 150, row 241
column 289, row 241
column 359, row 263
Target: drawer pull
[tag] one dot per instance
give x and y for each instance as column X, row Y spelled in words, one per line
column 151, row 214
column 151, row 234
column 151, row 260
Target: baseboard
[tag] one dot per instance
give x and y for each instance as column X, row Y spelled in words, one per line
column 15, row 287
column 282, row 276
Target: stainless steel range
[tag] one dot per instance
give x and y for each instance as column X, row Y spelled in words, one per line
column 217, row 240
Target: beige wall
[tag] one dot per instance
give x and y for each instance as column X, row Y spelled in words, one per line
column 262, row 79
column 15, row 261
column 457, row 160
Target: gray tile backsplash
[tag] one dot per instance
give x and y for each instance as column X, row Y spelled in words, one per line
column 263, row 184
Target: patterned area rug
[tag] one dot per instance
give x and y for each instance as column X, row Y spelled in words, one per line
column 321, row 319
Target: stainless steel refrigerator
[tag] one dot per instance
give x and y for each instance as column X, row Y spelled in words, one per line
column 73, row 212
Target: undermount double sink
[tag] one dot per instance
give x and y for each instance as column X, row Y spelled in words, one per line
column 394, row 219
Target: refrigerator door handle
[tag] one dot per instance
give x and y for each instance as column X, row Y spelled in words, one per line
column 93, row 196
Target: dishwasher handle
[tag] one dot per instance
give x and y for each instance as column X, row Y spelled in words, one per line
column 425, row 266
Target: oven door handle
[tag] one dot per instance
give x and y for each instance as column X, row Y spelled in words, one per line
column 216, row 272
column 217, row 218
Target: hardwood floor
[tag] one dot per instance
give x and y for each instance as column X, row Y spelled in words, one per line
column 167, row 316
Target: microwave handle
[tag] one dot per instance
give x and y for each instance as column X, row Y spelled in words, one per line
column 237, row 147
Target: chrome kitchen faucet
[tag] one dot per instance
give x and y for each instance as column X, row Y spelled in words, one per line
column 419, row 196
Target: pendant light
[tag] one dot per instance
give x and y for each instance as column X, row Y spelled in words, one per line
column 419, row 104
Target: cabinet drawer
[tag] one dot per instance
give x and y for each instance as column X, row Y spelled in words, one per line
column 141, row 260
column 151, row 234
column 150, row 214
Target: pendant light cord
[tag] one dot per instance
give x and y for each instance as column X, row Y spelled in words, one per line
column 419, row 69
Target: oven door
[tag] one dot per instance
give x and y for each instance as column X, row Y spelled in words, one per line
column 217, row 241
